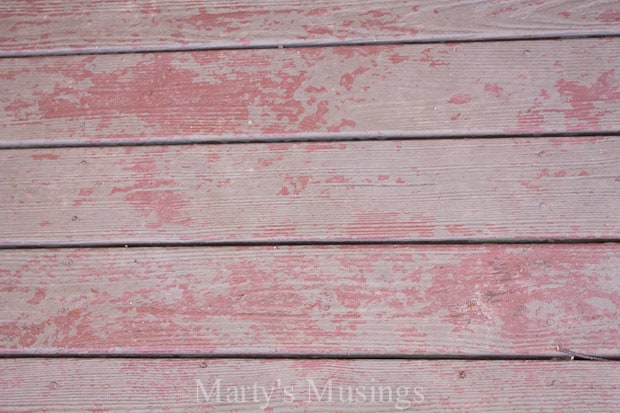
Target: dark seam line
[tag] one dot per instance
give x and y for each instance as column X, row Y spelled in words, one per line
column 305, row 139
column 308, row 356
column 293, row 243
column 295, row 45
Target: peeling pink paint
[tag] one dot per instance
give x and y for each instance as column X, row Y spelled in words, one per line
column 585, row 112
column 432, row 62
column 494, row 89
column 503, row 10
column 460, row 99
column 46, row 156
column 337, row 179
column 610, row 16
column 347, row 79
column 396, row 58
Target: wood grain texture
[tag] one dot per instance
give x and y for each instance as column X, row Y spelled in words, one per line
column 494, row 88
column 52, row 26
column 48, row 385
column 423, row 190
column 337, row 300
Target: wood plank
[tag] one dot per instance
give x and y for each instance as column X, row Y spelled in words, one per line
column 44, row 27
column 433, row 300
column 423, row 190
column 494, row 88
column 67, row 385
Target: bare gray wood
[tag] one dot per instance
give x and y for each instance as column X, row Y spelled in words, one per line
column 67, row 385
column 424, row 190
column 380, row 300
column 470, row 89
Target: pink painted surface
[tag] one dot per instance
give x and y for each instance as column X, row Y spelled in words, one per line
column 44, row 26
column 464, row 89
column 335, row 300
column 425, row 190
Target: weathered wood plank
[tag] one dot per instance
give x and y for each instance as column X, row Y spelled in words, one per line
column 495, row 88
column 48, row 385
column 422, row 190
column 95, row 26
column 337, row 300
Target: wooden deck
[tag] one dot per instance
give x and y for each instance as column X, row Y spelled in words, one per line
column 325, row 206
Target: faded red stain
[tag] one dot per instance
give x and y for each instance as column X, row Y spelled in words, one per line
column 265, row 163
column 86, row 191
column 503, row 10
column 396, row 58
column 314, row 121
column 564, row 14
column 38, row 296
column 492, row 290
column 347, row 79
column 609, row 16
column 150, row 9
column 337, row 179
column 350, row 296
column 45, row 156
column 324, row 146
column 18, row 107
column 318, row 12
column 320, row 31
column 314, row 89
column 84, row 196
column 345, row 123
column 584, row 113
column 296, row 184
column 277, row 232
column 470, row 290
column 383, row 22
column 158, row 197
column 529, row 185
column 208, row 22
column 459, row 99
column 432, row 61
column 532, row 119
column 161, row 81
column 383, row 177
column 459, row 230
column 493, row 88
column 166, row 205
column 45, row 224
column 390, row 225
